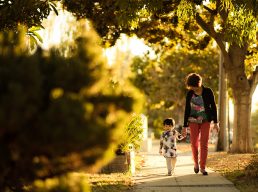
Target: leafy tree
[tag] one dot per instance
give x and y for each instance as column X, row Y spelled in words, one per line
column 232, row 24
column 57, row 113
column 163, row 80
column 237, row 20
column 28, row 12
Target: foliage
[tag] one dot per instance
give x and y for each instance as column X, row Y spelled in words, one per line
column 162, row 80
column 156, row 17
column 233, row 22
column 34, row 37
column 125, row 16
column 132, row 135
column 57, row 114
column 84, row 182
column 168, row 23
column 76, row 182
column 26, row 12
column 119, row 77
column 114, row 182
column 243, row 22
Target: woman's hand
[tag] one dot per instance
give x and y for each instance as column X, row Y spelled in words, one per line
column 184, row 131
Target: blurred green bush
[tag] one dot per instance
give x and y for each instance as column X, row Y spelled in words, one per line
column 57, row 113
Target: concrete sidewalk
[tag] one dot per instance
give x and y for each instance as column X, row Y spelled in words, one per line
column 152, row 177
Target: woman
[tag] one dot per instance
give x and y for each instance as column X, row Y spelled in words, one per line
column 200, row 110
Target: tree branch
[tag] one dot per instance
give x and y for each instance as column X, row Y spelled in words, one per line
column 211, row 11
column 217, row 37
column 222, row 12
column 205, row 26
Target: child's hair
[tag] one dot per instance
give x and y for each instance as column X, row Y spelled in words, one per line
column 169, row 121
column 193, row 80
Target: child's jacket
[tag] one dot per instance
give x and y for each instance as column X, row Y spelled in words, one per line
column 168, row 143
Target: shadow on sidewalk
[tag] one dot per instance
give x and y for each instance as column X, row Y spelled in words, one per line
column 152, row 177
column 182, row 183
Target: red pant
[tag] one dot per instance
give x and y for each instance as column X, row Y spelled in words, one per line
column 203, row 131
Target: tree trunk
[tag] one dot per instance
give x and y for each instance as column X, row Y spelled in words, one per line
column 242, row 88
column 222, row 144
column 242, row 99
column 242, row 141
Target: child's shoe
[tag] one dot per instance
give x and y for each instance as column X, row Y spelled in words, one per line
column 169, row 173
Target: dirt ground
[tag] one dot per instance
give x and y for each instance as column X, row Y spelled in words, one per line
column 241, row 169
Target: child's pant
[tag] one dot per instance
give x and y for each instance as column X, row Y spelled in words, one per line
column 203, row 131
column 171, row 163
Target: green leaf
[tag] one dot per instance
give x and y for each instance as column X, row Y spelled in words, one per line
column 42, row 26
column 35, row 28
column 33, row 42
column 53, row 6
column 36, row 35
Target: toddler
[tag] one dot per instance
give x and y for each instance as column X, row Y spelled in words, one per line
column 168, row 144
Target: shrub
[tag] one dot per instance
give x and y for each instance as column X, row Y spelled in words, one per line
column 54, row 115
column 132, row 134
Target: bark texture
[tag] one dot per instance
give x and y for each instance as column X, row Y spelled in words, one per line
column 242, row 99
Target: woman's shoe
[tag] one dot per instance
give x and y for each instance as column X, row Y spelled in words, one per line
column 204, row 172
column 196, row 170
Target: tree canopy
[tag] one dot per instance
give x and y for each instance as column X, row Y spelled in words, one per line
column 231, row 23
column 29, row 13
column 235, row 20
column 163, row 80
column 125, row 17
